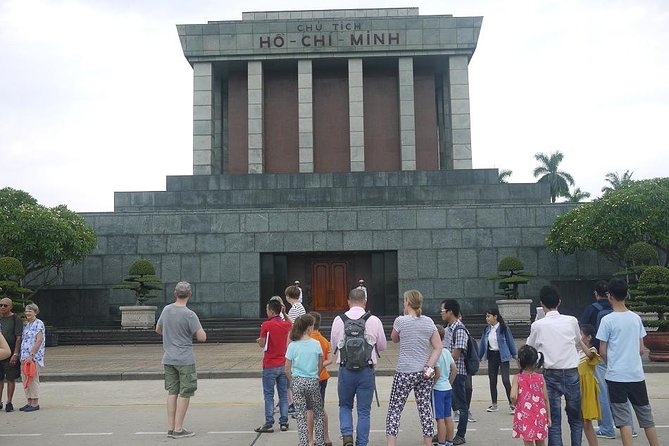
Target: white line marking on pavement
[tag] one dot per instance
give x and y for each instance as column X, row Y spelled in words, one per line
column 87, row 434
column 504, row 429
column 232, row 432
column 150, row 433
column 20, row 435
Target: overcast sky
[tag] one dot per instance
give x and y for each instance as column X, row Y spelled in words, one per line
column 96, row 96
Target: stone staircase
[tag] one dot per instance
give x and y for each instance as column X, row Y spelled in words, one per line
column 229, row 331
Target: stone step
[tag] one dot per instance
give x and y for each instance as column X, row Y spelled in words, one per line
column 228, row 331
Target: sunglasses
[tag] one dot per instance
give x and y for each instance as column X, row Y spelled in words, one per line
column 4, row 305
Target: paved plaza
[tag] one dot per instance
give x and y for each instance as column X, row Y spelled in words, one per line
column 109, row 395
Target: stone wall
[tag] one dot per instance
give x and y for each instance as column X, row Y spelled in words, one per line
column 442, row 250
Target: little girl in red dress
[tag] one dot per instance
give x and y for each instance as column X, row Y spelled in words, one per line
column 531, row 418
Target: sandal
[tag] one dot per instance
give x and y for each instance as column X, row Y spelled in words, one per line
column 264, row 429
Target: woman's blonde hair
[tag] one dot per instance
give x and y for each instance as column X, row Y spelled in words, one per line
column 415, row 300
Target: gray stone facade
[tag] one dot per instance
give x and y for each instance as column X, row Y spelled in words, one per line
column 443, row 249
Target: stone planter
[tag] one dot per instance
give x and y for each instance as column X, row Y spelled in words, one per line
column 138, row 316
column 515, row 310
column 658, row 344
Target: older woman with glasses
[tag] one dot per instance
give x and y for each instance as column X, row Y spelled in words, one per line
column 32, row 356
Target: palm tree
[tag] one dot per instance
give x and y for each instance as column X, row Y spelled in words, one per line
column 577, row 196
column 616, row 180
column 504, row 175
column 558, row 180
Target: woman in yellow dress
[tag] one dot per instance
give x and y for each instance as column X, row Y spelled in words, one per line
column 589, row 388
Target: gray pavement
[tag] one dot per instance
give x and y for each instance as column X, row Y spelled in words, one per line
column 214, row 361
column 225, row 411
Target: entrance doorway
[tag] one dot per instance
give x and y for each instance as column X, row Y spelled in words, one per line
column 329, row 286
column 327, row 277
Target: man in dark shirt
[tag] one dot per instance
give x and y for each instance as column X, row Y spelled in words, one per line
column 10, row 368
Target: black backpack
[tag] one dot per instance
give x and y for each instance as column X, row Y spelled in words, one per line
column 356, row 353
column 471, row 354
column 601, row 312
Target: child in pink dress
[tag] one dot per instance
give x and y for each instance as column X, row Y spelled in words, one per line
column 532, row 417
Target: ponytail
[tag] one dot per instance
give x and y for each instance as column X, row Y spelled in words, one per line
column 300, row 326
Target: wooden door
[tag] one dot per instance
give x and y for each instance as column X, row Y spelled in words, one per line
column 329, row 286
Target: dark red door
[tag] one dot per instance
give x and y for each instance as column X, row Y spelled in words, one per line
column 329, row 286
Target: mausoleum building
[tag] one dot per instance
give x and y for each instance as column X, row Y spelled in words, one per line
column 328, row 147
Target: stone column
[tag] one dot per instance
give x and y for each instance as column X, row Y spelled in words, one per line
column 407, row 115
column 305, row 115
column 203, row 119
column 255, row 123
column 356, row 115
column 461, row 127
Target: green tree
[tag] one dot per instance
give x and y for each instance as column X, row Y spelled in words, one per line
column 616, row 180
column 504, row 175
column 577, row 195
column 513, row 276
column 141, row 280
column 11, row 277
column 43, row 239
column 549, row 170
column 613, row 222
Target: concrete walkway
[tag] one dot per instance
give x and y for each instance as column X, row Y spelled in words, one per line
column 214, row 361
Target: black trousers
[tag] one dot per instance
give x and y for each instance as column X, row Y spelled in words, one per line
column 495, row 365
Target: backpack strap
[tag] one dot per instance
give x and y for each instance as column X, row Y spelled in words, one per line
column 344, row 318
column 598, row 306
column 366, row 316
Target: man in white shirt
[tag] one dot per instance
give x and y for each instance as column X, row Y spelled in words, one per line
column 361, row 286
column 557, row 336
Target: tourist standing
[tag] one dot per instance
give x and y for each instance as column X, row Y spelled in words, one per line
column 323, row 377
column 304, row 359
column 455, row 339
column 588, row 360
column 10, row 368
column 621, row 336
column 557, row 337
column 273, row 339
column 357, row 384
column 446, row 371
column 177, row 325
column 532, row 413
column 420, row 347
column 32, row 356
column 498, row 346
column 293, row 297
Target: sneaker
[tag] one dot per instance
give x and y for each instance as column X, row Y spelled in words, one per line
column 9, row 407
column 458, row 440
column 169, row 434
column 183, row 433
column 512, row 409
column 24, row 407
column 599, row 434
column 635, row 434
column 31, row 408
column 284, row 427
column 347, row 440
column 492, row 408
column 264, row 429
column 471, row 418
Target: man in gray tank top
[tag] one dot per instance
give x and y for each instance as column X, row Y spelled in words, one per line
column 178, row 324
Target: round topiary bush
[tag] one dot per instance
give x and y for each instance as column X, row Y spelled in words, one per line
column 10, row 266
column 654, row 275
column 510, row 264
column 641, row 253
column 142, row 267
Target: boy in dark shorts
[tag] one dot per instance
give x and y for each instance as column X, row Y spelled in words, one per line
column 621, row 336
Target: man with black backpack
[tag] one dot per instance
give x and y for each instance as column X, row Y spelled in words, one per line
column 357, row 337
column 457, row 339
